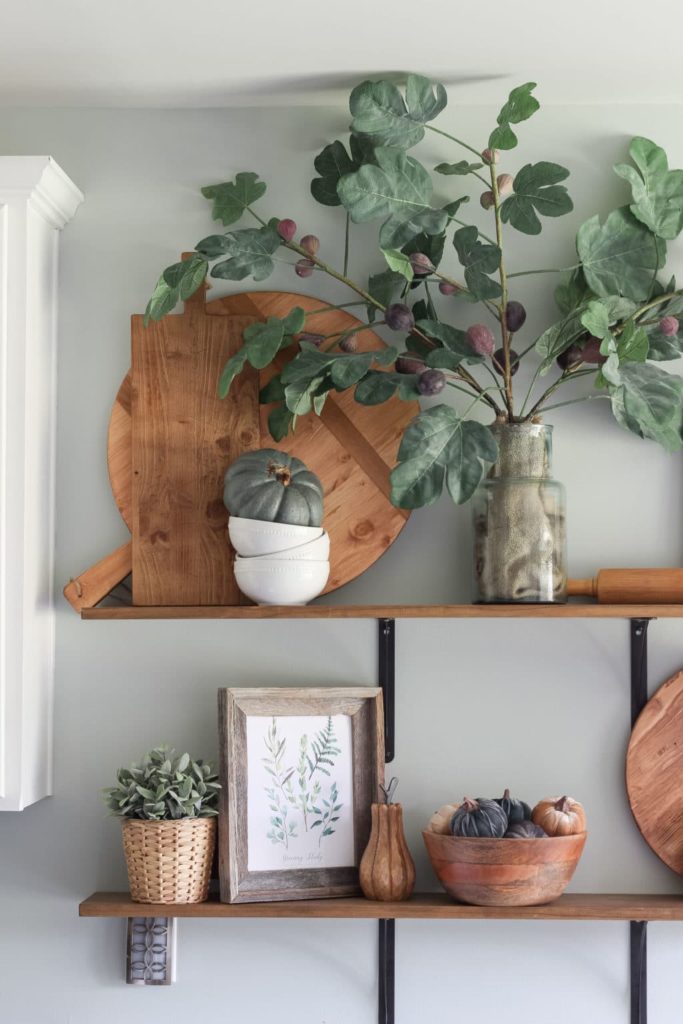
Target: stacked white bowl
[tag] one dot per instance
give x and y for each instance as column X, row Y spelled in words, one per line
column 277, row 563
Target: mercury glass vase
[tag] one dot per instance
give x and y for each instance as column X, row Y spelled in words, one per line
column 520, row 547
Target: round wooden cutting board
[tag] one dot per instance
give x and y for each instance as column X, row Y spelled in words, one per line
column 351, row 447
column 654, row 773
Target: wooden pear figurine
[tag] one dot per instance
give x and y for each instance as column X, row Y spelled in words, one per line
column 387, row 871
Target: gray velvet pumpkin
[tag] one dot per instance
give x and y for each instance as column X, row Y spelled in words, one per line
column 479, row 819
column 274, row 487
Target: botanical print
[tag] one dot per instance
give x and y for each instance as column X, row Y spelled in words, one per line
column 300, row 792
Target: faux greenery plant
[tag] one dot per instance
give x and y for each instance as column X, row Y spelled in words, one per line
column 618, row 313
column 164, row 786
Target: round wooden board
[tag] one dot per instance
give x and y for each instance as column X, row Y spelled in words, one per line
column 654, row 773
column 351, row 447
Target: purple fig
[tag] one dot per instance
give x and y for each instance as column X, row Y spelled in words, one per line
column 420, row 263
column 311, row 243
column 349, row 344
column 431, row 382
column 515, row 315
column 590, row 352
column 487, row 199
column 499, row 361
column 481, row 339
column 668, row 325
column 398, row 317
column 409, row 364
column 312, row 339
column 490, row 156
column 571, row 357
column 286, row 229
column 447, row 288
column 304, row 268
column 504, row 182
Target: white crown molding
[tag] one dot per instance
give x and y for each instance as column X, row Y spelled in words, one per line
column 42, row 180
column 36, row 201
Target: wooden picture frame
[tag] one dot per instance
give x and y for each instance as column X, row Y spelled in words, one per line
column 251, row 722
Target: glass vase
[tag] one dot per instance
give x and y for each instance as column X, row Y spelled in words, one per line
column 520, row 548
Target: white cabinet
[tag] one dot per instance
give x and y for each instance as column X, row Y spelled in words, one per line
column 36, row 200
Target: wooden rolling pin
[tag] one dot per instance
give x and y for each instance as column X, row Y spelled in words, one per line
column 632, row 586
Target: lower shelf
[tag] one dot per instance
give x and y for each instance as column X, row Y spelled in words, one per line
column 571, row 907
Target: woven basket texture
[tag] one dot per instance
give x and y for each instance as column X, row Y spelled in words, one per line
column 169, row 861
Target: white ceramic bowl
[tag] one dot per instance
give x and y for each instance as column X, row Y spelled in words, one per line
column 317, row 550
column 279, row 581
column 253, row 537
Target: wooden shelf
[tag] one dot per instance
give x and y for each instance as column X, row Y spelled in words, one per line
column 571, row 907
column 389, row 611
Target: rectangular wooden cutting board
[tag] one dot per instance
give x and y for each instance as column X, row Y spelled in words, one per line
column 183, row 439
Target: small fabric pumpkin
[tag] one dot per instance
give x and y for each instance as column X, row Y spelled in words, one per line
column 516, row 810
column 560, row 817
column 479, row 818
column 525, row 830
column 440, row 821
column 274, row 487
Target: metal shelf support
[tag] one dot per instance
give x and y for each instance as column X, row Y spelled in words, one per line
column 387, row 678
column 386, row 672
column 638, row 929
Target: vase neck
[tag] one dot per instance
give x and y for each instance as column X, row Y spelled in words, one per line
column 524, row 450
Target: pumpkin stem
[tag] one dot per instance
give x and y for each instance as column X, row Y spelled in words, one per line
column 562, row 805
column 388, row 791
column 282, row 474
column 506, row 794
column 470, row 805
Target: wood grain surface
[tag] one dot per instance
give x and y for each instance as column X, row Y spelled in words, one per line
column 352, row 448
column 183, row 438
column 396, row 611
column 365, row 708
column 100, row 579
column 654, row 772
column 570, row 907
column 504, row 872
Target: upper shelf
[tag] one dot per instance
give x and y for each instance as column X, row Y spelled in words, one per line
column 571, row 907
column 390, row 611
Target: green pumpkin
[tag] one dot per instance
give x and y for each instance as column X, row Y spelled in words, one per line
column 479, row 819
column 274, row 487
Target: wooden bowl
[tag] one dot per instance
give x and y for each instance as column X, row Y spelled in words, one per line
column 504, row 872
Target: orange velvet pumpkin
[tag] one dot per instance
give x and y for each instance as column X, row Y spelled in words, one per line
column 561, row 816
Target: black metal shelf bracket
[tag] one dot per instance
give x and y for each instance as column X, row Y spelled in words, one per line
column 387, row 967
column 386, row 672
column 638, row 929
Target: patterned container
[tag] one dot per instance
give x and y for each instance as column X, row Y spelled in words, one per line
column 169, row 861
column 520, row 547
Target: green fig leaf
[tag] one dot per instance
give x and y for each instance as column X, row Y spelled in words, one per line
column 331, row 164
column 620, row 256
column 657, row 191
column 519, row 107
column 381, row 114
column 231, row 198
column 536, row 191
column 440, row 448
column 479, row 260
column 250, row 252
column 399, row 263
column 648, row 401
column 461, row 167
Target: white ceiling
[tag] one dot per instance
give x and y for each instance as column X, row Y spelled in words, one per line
column 170, row 53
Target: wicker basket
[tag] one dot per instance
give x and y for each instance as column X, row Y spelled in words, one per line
column 169, row 861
